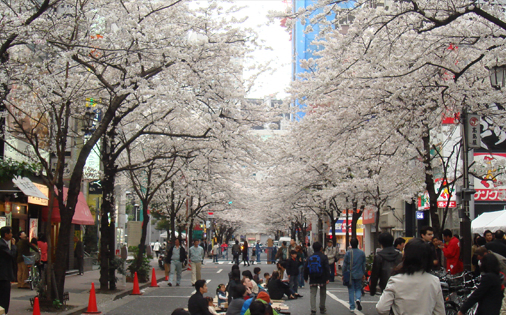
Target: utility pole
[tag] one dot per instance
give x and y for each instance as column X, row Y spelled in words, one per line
column 470, row 139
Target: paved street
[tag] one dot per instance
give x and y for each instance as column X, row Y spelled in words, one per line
column 165, row 299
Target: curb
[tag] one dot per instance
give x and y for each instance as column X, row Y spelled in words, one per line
column 116, row 297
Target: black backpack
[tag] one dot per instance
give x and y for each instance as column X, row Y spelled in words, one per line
column 314, row 264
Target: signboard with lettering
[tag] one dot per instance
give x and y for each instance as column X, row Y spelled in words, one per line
column 37, row 200
column 489, row 187
column 473, row 132
column 34, row 226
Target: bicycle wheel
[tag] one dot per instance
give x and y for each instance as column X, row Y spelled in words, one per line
column 451, row 309
column 35, row 278
column 30, row 277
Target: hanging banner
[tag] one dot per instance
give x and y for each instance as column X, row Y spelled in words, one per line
column 34, row 226
column 488, row 186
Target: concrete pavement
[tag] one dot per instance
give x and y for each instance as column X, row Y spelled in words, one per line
column 79, row 290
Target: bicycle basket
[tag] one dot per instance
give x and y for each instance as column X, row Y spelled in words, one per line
column 29, row 260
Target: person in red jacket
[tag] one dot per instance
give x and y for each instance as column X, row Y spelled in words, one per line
column 451, row 251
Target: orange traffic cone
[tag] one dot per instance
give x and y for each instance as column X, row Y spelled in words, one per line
column 189, row 266
column 36, row 307
column 136, row 290
column 92, row 302
column 153, row 279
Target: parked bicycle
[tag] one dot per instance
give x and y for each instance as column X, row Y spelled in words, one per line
column 33, row 271
column 456, row 289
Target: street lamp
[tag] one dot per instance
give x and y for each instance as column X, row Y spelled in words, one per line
column 497, row 76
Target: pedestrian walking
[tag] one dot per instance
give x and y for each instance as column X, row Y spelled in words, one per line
column 488, row 295
column 451, row 251
column 413, row 290
column 245, row 253
column 331, row 253
column 236, row 251
column 354, row 263
column 166, row 260
column 215, row 251
column 282, row 253
column 7, row 262
column 301, row 258
column 177, row 257
column 399, row 244
column 317, row 272
column 196, row 256
column 497, row 245
column 79, row 255
column 384, row 262
column 156, row 248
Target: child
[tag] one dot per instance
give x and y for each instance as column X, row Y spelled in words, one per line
column 256, row 276
column 267, row 276
column 211, row 305
column 222, row 294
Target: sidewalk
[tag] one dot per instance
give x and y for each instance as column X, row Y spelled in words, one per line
column 79, row 291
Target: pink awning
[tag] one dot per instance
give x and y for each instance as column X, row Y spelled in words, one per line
column 82, row 214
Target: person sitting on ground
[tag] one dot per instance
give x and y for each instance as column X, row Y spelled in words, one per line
column 197, row 304
column 257, row 308
column 221, row 293
column 232, row 286
column 249, row 286
column 234, row 307
column 234, row 267
column 282, row 271
column 413, row 290
column 210, row 304
column 262, row 296
column 267, row 276
column 180, row 311
column 256, row 275
column 254, row 285
column 277, row 288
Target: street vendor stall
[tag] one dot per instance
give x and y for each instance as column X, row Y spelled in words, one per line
column 493, row 221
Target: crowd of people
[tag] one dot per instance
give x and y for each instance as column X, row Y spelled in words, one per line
column 403, row 273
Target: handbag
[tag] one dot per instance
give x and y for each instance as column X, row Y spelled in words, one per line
column 347, row 273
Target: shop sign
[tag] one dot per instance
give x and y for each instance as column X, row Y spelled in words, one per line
column 447, row 196
column 8, row 207
column 34, row 226
column 3, row 222
column 474, row 135
column 39, row 201
column 341, row 226
column 488, row 187
column 369, row 216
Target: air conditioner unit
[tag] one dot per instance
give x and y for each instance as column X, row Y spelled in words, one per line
column 387, row 220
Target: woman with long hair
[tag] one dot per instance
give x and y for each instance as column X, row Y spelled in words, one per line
column 245, row 253
column 488, row 295
column 413, row 290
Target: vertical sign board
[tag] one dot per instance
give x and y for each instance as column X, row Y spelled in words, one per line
column 34, row 226
column 473, row 132
column 3, row 222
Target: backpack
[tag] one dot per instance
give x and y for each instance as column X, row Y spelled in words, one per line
column 314, row 265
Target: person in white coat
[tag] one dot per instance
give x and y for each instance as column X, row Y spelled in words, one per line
column 156, row 248
column 413, row 290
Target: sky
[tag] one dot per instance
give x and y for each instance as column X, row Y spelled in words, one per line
column 277, row 81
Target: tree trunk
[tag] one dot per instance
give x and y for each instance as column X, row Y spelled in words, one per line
column 357, row 213
column 429, row 182
column 142, row 245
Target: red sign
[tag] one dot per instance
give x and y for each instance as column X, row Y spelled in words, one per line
column 368, row 216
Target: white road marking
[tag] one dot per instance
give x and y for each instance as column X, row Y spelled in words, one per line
column 220, row 262
column 346, row 304
column 209, row 280
column 219, row 271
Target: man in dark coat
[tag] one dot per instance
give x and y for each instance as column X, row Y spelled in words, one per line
column 319, row 278
column 197, row 304
column 497, row 245
column 384, row 262
column 7, row 261
column 79, row 255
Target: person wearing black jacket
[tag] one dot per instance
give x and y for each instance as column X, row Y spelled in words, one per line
column 7, row 261
column 488, row 295
column 292, row 269
column 232, row 285
column 317, row 280
column 384, row 262
column 497, row 245
column 176, row 257
column 277, row 288
column 197, row 304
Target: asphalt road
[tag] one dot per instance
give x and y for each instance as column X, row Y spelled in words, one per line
column 165, row 299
